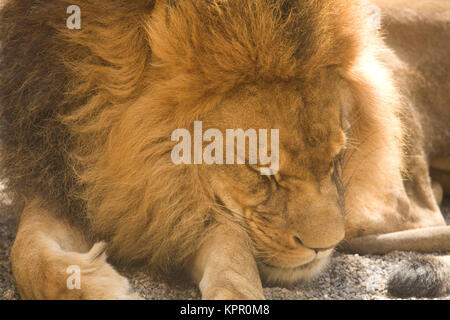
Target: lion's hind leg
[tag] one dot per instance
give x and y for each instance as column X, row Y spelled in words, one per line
column 51, row 260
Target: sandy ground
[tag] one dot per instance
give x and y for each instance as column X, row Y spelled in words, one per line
column 347, row 277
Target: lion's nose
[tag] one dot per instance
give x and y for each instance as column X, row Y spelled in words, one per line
column 318, row 229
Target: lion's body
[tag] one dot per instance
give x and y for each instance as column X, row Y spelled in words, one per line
column 87, row 117
column 418, row 33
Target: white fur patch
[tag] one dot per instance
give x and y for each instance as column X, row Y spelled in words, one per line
column 374, row 17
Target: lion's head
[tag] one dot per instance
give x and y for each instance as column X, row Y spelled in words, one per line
column 295, row 217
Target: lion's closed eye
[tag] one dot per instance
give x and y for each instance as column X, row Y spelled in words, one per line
column 245, row 186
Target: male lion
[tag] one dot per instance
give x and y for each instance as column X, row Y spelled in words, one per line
column 87, row 117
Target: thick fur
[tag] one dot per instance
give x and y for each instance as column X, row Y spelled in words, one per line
column 79, row 96
column 425, row 277
column 87, row 116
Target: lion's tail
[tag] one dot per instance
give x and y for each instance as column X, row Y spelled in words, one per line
column 421, row 277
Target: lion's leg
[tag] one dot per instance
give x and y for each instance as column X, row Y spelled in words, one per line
column 423, row 240
column 225, row 268
column 51, row 260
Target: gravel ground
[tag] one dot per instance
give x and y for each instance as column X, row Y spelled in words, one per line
column 347, row 277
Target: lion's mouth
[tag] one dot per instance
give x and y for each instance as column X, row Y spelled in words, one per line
column 295, row 272
column 317, row 259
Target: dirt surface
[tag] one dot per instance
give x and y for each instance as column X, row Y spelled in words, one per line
column 347, row 277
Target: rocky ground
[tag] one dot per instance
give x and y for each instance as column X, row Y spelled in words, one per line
column 348, row 276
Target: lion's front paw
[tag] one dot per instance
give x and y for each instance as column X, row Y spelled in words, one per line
column 229, row 294
column 218, row 294
column 86, row 276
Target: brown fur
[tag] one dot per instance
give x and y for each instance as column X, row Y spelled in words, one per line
column 100, row 83
column 86, row 120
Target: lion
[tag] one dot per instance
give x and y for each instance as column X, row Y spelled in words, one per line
column 87, row 117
